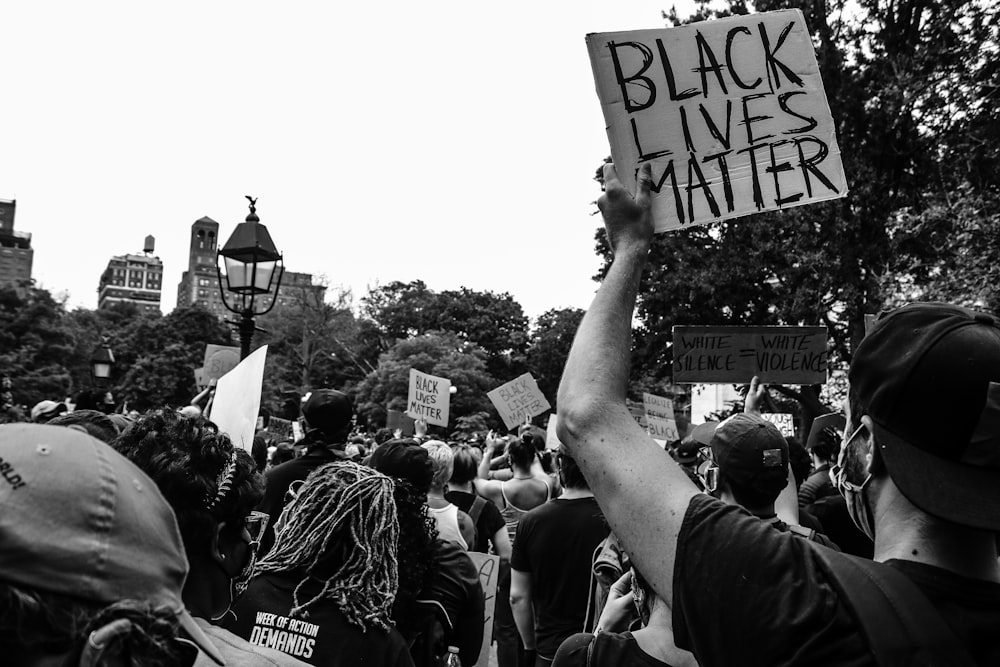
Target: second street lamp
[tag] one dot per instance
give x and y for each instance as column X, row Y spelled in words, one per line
column 251, row 263
column 101, row 362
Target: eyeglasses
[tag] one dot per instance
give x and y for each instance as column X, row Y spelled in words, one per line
column 256, row 524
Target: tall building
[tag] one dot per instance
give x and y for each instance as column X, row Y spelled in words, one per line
column 134, row 279
column 16, row 254
column 200, row 283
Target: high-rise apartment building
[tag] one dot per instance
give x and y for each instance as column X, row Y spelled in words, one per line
column 134, row 279
column 16, row 255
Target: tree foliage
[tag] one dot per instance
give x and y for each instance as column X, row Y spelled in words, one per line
column 442, row 353
column 551, row 339
column 912, row 86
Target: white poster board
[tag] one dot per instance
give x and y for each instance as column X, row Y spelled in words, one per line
column 489, row 574
column 551, row 437
column 784, row 421
column 429, row 398
column 237, row 399
column 657, row 406
column 518, row 400
column 730, row 113
column 662, row 429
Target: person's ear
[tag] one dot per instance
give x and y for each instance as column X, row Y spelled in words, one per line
column 223, row 550
column 872, row 459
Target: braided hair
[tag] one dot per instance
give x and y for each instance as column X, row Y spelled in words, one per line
column 342, row 531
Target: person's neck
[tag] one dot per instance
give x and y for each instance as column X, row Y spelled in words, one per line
column 436, row 499
column 904, row 532
column 656, row 639
column 200, row 591
column 570, row 493
column 463, row 488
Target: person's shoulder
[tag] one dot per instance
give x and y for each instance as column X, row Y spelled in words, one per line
column 238, row 651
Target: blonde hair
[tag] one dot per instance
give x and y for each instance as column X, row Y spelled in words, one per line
column 443, row 459
column 344, row 520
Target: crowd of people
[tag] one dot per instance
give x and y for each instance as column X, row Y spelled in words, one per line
column 150, row 539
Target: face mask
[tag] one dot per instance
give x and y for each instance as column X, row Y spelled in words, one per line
column 857, row 505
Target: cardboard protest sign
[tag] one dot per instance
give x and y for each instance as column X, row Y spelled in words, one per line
column 784, row 422
column 518, row 400
column 395, row 419
column 429, row 398
column 489, row 574
column 730, row 113
column 662, row 429
column 657, row 406
column 869, row 322
column 791, row 355
column 219, row 360
column 281, row 428
column 237, row 399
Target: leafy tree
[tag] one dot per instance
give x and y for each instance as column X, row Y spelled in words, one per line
column 912, row 95
column 443, row 354
column 494, row 322
column 163, row 372
column 36, row 346
column 310, row 344
column 551, row 339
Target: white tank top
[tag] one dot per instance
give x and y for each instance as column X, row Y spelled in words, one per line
column 447, row 523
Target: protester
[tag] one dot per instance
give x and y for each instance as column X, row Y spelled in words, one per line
column 43, row 411
column 327, row 414
column 324, row 592
column 551, row 582
column 491, row 529
column 927, row 490
column 212, row 488
column 452, row 523
column 823, row 446
column 92, row 422
column 526, row 490
column 91, row 560
column 441, row 601
column 752, row 460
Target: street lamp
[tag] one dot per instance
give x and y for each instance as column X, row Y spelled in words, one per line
column 101, row 362
column 251, row 261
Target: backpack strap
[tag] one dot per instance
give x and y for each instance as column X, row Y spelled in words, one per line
column 803, row 532
column 477, row 508
column 901, row 625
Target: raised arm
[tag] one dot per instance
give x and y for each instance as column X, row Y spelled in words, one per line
column 643, row 493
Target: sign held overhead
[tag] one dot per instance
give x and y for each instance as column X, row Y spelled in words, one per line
column 779, row 355
column 518, row 400
column 429, row 398
column 730, row 113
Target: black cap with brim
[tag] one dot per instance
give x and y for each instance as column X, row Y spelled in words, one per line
column 965, row 494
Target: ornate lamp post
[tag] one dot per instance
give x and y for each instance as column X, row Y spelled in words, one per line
column 101, row 363
column 250, row 261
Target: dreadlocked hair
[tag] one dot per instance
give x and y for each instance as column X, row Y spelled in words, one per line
column 341, row 530
column 418, row 557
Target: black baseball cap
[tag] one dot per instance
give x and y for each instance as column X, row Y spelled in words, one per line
column 751, row 453
column 328, row 410
column 405, row 459
column 928, row 376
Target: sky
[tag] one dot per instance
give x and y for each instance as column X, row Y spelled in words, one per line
column 449, row 141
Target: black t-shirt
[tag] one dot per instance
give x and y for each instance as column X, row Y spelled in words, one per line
column 490, row 519
column 280, row 477
column 261, row 617
column 746, row 594
column 555, row 543
column 610, row 648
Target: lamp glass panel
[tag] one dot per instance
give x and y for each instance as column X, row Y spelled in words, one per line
column 101, row 370
column 265, row 271
column 238, row 274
